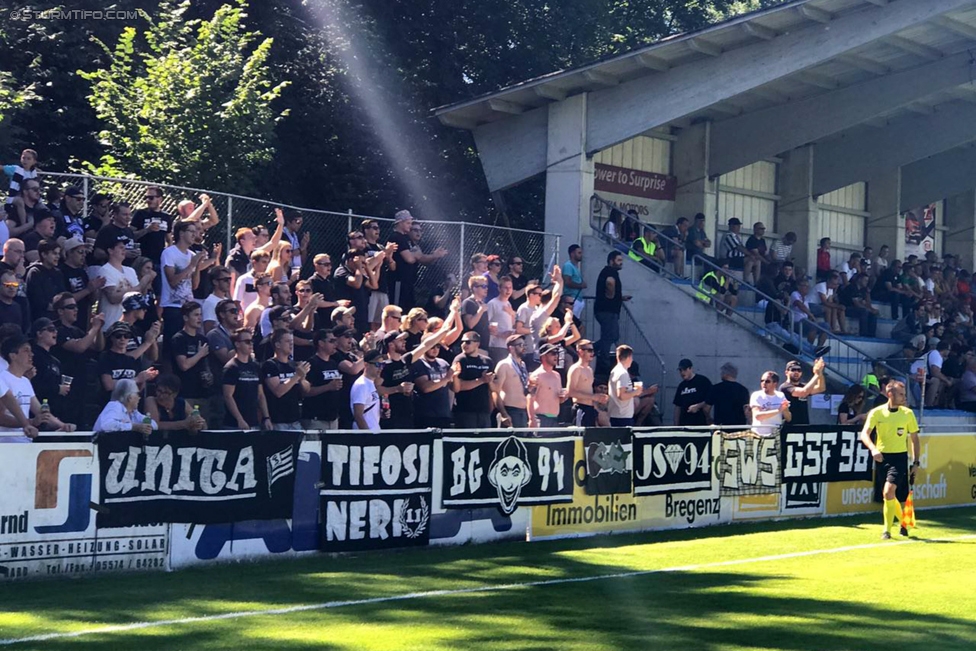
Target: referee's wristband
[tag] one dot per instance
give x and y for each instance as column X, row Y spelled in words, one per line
column 916, row 465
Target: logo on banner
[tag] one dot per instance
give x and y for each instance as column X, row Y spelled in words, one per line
column 824, row 455
column 748, row 466
column 605, row 466
column 602, row 458
column 280, row 464
column 509, row 472
column 802, row 494
column 413, row 521
column 47, row 489
column 522, row 470
column 672, row 462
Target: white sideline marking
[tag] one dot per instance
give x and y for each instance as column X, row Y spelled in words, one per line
column 120, row 628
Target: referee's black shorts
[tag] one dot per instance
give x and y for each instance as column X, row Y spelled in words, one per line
column 893, row 469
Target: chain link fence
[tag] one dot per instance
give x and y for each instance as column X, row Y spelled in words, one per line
column 327, row 230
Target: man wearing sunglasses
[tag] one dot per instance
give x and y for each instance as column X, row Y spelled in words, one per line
column 579, row 383
column 151, row 225
column 10, row 309
column 245, row 404
column 320, row 408
column 364, row 399
column 770, row 407
column 473, row 383
column 379, row 298
column 74, row 349
column 220, row 279
column 115, row 364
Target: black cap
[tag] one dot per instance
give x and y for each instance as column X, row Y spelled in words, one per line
column 514, row 339
column 685, row 363
column 119, row 327
column 735, row 221
column 548, row 348
column 279, row 312
column 134, row 301
column 344, row 332
column 372, row 356
column 41, row 324
column 74, row 191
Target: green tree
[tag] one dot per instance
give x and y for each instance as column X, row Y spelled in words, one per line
column 188, row 101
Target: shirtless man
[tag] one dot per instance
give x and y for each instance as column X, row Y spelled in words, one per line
column 545, row 390
column 579, row 384
column 512, row 385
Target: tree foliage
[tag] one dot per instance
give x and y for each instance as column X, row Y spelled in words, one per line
column 188, row 100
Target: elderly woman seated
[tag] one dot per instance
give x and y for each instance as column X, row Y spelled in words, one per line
column 120, row 414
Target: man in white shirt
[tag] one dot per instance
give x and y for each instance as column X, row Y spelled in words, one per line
column 17, row 352
column 501, row 320
column 220, row 278
column 245, row 291
column 532, row 315
column 119, row 280
column 938, row 382
column 770, row 407
column 622, row 389
column 364, row 399
column 178, row 265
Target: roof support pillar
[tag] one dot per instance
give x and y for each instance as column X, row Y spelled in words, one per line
column 696, row 192
column 797, row 210
column 960, row 219
column 885, row 225
column 569, row 172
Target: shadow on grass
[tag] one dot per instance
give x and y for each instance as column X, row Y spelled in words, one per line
column 701, row 610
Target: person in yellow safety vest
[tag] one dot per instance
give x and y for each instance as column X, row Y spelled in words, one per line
column 718, row 287
column 646, row 244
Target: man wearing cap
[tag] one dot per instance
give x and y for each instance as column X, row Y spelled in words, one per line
column 407, row 258
column 74, row 349
column 343, row 317
column 44, row 279
column 143, row 346
column 473, row 380
column 732, row 248
column 71, row 218
column 545, row 390
column 691, row 397
column 512, row 385
column 798, row 393
column 47, row 381
column 114, row 364
column 351, row 365
column 364, row 400
column 73, row 267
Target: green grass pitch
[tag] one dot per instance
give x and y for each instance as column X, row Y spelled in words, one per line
column 799, row 585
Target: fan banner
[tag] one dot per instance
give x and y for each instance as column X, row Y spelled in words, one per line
column 672, row 461
column 607, row 461
column 376, row 491
column 815, row 453
column 202, row 478
column 506, row 471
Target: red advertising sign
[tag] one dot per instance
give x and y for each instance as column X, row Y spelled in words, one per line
column 634, row 183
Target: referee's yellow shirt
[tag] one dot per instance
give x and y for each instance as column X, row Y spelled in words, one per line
column 892, row 427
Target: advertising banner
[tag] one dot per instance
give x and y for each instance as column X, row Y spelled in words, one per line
column 607, row 460
column 649, row 194
column 47, row 526
column 376, row 491
column 947, row 477
column 618, row 513
column 204, row 478
column 506, row 471
column 748, row 465
column 672, row 462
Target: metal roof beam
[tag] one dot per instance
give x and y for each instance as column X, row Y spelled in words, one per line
column 704, row 47
column 551, row 91
column 757, row 30
column 814, row 14
column 914, row 47
column 862, row 154
column 960, row 28
column 504, row 106
column 938, row 177
column 739, row 141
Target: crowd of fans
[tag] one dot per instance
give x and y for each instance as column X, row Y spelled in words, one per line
column 931, row 299
column 125, row 318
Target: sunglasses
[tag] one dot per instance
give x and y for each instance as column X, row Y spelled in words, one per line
column 323, row 264
column 378, row 364
column 231, row 310
column 496, row 263
column 479, row 286
column 768, row 381
column 11, row 285
column 588, row 349
column 515, row 263
column 304, row 291
column 468, row 341
column 244, row 341
column 120, row 335
column 73, row 306
column 399, row 318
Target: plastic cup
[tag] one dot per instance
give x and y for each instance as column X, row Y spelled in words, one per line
column 67, row 379
column 639, row 386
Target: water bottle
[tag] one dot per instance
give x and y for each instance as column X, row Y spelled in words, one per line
column 196, row 411
column 146, row 420
column 45, row 407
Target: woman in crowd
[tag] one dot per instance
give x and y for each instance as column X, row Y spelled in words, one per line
column 850, row 410
column 121, row 414
column 280, row 267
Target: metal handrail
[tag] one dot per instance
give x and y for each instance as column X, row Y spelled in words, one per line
column 629, row 219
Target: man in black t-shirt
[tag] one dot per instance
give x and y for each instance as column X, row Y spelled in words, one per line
column 190, row 349
column 246, row 406
column 320, row 409
column 74, row 348
column 151, row 225
column 350, row 284
column 116, row 231
column 407, row 259
column 351, row 366
column 729, row 399
column 47, row 381
column 432, row 377
column 114, row 364
column 691, row 397
column 323, row 284
column 606, row 307
column 397, row 377
column 284, row 383
column 83, row 288
column 797, row 392
column 473, row 378
column 474, row 309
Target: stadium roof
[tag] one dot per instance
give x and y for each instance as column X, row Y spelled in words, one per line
column 889, row 61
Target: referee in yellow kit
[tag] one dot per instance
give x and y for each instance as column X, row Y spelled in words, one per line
column 894, row 424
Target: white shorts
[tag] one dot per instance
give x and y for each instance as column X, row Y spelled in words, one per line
column 377, row 301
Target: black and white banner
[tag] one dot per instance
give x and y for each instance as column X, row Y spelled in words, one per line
column 376, row 491
column 506, row 471
column 672, row 462
column 607, row 461
column 205, row 478
column 747, row 465
column 823, row 454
